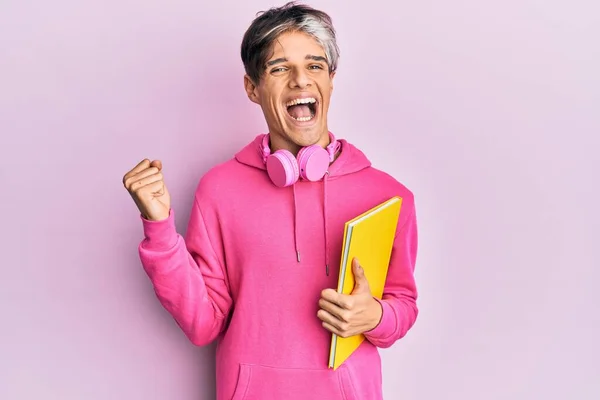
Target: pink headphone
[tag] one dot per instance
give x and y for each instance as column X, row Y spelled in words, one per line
column 312, row 163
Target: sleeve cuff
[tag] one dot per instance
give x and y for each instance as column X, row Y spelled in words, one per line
column 386, row 325
column 159, row 235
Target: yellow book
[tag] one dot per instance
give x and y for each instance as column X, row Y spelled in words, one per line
column 370, row 238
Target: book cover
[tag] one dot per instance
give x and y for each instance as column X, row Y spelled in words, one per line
column 370, row 238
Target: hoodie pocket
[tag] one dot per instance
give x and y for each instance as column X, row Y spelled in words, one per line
column 258, row 382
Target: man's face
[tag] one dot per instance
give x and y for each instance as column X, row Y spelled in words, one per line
column 294, row 92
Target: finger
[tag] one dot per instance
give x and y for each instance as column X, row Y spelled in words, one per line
column 141, row 175
column 144, row 182
column 359, row 272
column 334, row 310
column 331, row 328
column 331, row 320
column 361, row 283
column 156, row 188
column 339, row 332
column 330, row 295
column 131, row 181
column 343, row 301
column 157, row 164
column 145, row 163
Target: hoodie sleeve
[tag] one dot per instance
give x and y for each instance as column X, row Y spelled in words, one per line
column 187, row 275
column 400, row 293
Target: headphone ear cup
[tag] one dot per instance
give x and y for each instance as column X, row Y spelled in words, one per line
column 282, row 168
column 313, row 162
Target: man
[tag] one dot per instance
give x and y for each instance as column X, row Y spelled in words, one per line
column 261, row 254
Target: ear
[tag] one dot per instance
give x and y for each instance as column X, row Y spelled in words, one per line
column 331, row 76
column 251, row 89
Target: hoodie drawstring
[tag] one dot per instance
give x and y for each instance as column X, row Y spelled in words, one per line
column 325, row 222
column 295, row 223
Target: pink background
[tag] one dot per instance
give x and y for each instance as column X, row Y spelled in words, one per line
column 488, row 110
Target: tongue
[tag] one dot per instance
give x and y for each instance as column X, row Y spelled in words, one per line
column 299, row 111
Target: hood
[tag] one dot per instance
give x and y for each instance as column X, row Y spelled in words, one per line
column 349, row 160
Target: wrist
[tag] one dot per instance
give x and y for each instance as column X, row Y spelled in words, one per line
column 376, row 313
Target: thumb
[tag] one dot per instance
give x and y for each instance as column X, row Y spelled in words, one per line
column 361, row 284
column 157, row 164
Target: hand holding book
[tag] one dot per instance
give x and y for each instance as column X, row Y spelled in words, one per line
column 350, row 314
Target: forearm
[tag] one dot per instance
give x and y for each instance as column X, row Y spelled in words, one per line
column 199, row 309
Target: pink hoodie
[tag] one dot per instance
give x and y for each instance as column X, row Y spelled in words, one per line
column 251, row 267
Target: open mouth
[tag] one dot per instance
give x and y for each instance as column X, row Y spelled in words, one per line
column 302, row 110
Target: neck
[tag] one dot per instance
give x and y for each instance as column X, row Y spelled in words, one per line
column 276, row 142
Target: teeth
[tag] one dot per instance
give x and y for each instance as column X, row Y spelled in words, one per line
column 306, row 100
column 303, row 119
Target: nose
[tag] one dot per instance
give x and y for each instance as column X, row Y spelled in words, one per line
column 299, row 79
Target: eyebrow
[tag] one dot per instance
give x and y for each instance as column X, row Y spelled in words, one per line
column 308, row 57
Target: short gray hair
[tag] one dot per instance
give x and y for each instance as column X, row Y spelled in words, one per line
column 291, row 17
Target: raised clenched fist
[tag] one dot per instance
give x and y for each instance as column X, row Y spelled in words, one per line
column 147, row 188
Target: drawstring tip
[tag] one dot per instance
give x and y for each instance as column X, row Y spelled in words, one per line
column 327, row 269
column 298, row 255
